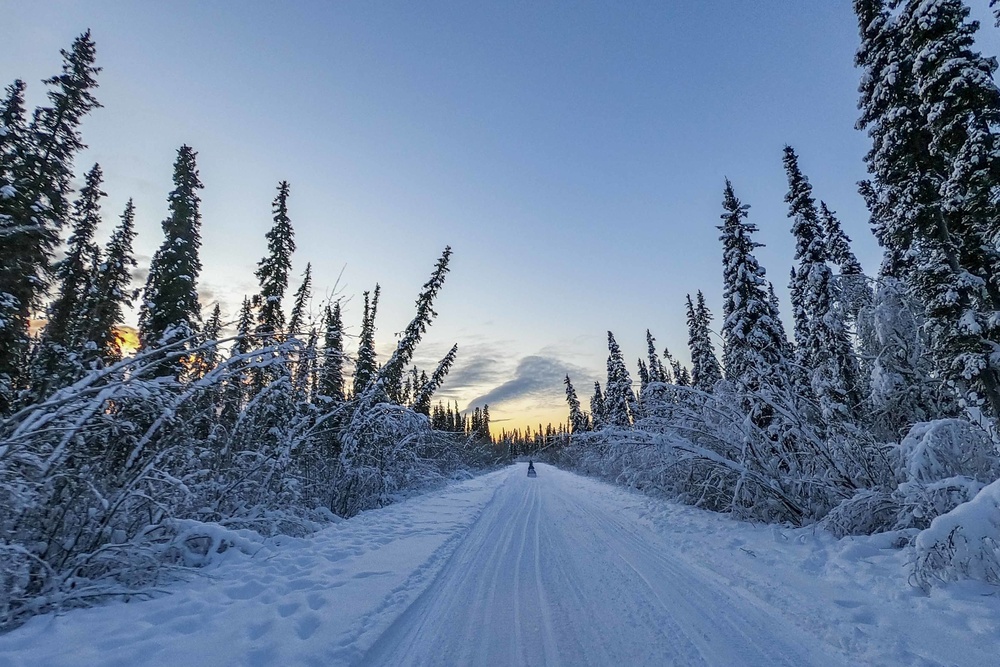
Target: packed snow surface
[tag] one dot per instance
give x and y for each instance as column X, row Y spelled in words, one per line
column 556, row 570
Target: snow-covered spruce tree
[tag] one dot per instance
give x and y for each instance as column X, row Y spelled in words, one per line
column 272, row 276
column 59, row 357
column 304, row 372
column 619, row 400
column 959, row 104
column 577, row 418
column 429, row 385
column 657, row 373
column 779, row 446
column 170, row 311
column 772, row 300
column 331, row 374
column 852, row 290
column 903, row 388
column 705, row 370
column 917, row 130
column 391, row 374
column 36, row 172
column 272, row 270
column 237, row 381
column 365, row 365
column 384, row 444
column 749, row 328
column 643, row 375
column 679, row 373
column 300, row 303
column 822, row 344
column 209, row 355
column 14, row 340
column 597, row 409
column 112, row 293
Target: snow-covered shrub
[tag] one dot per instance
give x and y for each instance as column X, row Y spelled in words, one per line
column 867, row 512
column 944, row 463
column 962, row 544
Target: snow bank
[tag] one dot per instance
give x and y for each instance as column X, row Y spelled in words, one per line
column 964, row 543
column 318, row 600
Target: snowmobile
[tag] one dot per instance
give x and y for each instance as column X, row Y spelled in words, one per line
column 531, row 469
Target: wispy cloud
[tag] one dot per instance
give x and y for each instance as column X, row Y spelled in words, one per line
column 535, row 376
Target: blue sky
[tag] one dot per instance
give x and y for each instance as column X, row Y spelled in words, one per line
column 572, row 154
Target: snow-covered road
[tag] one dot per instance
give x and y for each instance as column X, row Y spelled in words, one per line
column 559, row 569
column 550, row 575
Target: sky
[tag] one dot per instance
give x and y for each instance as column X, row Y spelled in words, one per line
column 573, row 155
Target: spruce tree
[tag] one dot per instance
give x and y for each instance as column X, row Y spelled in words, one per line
column 959, row 103
column 391, row 376
column 331, row 378
column 577, row 418
column 656, row 371
column 619, row 400
column 821, row 338
column 59, row 358
column 272, row 270
column 929, row 104
column 838, row 244
column 208, row 356
column 682, row 376
column 65, row 326
column 365, row 366
column 300, row 303
column 236, row 392
column 597, row 408
column 751, row 336
column 743, row 282
column 643, row 375
column 170, row 311
column 428, row 386
column 484, row 430
column 14, row 313
column 705, row 370
column 113, row 293
column 36, row 170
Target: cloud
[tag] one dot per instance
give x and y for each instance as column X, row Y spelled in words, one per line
column 535, row 376
column 472, row 372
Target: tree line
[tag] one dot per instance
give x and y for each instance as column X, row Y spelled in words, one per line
column 117, row 468
column 879, row 412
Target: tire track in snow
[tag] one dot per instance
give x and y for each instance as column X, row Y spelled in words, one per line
column 550, row 575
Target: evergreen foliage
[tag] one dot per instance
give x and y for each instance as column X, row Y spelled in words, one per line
column 619, row 400
column 272, row 270
column 331, row 379
column 113, row 293
column 170, row 311
column 657, row 373
column 365, row 366
column 821, row 339
column 58, row 359
column 392, row 373
column 577, row 418
column 705, row 370
column 37, row 168
column 597, row 409
column 300, row 303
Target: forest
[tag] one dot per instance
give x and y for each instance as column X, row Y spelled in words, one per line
column 879, row 412
column 118, row 467
column 123, row 468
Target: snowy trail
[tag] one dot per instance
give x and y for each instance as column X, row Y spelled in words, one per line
column 549, row 576
column 556, row 570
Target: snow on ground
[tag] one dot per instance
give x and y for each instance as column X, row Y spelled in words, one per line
column 559, row 569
